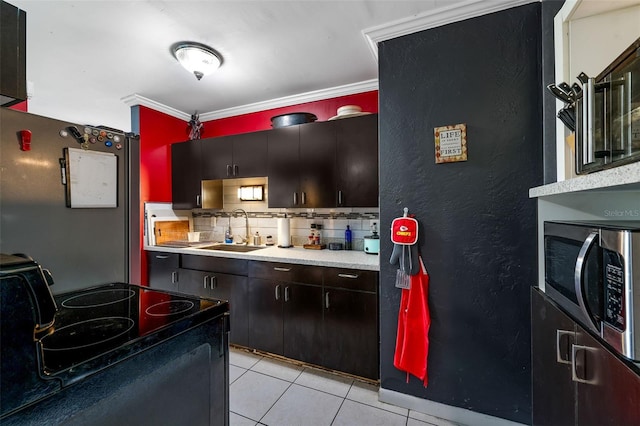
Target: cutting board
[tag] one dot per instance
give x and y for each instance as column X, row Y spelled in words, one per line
column 170, row 230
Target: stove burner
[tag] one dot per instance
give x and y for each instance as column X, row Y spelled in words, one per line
column 172, row 307
column 94, row 299
column 85, row 334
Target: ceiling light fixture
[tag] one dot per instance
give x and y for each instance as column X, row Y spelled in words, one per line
column 197, row 58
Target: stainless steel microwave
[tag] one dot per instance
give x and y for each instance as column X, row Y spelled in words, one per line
column 607, row 114
column 592, row 270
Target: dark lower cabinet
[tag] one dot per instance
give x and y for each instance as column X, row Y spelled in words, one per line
column 577, row 380
column 163, row 270
column 322, row 316
column 220, row 286
column 351, row 332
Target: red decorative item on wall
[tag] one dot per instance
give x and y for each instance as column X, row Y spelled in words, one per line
column 25, row 140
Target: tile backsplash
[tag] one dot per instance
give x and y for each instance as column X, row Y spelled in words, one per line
column 213, row 223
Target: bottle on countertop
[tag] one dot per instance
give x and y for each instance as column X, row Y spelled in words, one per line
column 312, row 234
column 318, row 236
column 348, row 245
column 256, row 239
column 228, row 238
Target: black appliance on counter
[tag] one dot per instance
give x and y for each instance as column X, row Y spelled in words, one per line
column 110, row 354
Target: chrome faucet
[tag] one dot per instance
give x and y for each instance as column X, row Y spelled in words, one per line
column 246, row 223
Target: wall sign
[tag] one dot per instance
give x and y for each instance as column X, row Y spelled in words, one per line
column 451, row 143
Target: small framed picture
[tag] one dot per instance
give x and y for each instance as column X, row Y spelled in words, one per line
column 451, row 143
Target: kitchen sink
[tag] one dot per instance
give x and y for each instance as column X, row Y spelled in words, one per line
column 229, row 247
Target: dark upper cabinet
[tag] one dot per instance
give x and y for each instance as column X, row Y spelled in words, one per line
column 13, row 66
column 283, row 161
column 235, row 156
column 324, row 164
column 357, row 161
column 317, row 165
column 186, row 175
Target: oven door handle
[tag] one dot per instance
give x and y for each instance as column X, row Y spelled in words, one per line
column 579, row 281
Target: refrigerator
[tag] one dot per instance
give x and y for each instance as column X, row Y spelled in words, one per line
column 69, row 199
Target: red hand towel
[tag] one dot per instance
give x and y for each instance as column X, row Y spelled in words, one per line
column 412, row 343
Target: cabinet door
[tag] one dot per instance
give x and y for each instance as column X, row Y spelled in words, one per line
column 553, row 391
column 351, row 332
column 195, row 283
column 233, row 288
column 608, row 390
column 357, row 161
column 250, row 155
column 302, row 323
column 265, row 315
column 283, row 167
column 13, row 75
column 163, row 270
column 317, row 165
column 185, row 175
column 217, row 157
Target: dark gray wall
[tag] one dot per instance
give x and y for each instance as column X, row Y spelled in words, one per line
column 478, row 226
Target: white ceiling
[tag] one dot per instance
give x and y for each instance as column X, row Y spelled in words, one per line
column 85, row 58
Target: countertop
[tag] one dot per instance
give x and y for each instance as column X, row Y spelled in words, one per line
column 349, row 259
column 616, row 178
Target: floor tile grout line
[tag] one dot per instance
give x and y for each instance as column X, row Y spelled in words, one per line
column 275, row 402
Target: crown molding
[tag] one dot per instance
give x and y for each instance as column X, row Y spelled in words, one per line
column 436, row 18
column 316, row 95
column 135, row 99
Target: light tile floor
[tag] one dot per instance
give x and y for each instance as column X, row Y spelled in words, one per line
column 266, row 391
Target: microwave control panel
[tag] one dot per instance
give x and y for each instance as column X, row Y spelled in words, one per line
column 614, row 287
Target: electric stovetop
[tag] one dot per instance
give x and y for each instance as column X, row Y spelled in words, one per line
column 98, row 326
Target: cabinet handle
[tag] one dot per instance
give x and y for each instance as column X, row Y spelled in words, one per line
column 590, row 99
column 339, row 198
column 563, row 350
column 159, row 256
column 326, row 300
column 351, row 276
column 286, row 294
column 213, row 282
column 579, row 365
column 174, row 277
column 229, row 170
column 198, row 200
column 304, row 198
column 204, row 281
column 276, row 268
column 277, row 292
column 295, row 198
column 236, row 172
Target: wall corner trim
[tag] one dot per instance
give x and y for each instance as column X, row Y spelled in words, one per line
column 441, row 411
column 135, row 99
column 436, row 18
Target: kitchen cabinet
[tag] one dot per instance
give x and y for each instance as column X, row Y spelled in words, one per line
column 186, row 175
column 577, row 380
column 324, row 164
column 285, row 310
column 13, row 67
column 357, row 161
column 163, row 270
column 317, row 165
column 283, row 166
column 234, row 156
column 350, row 303
column 205, row 276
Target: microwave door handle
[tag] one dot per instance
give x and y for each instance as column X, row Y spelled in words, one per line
column 589, row 120
column 579, row 275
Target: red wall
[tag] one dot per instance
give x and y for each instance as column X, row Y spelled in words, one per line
column 261, row 120
column 158, row 131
